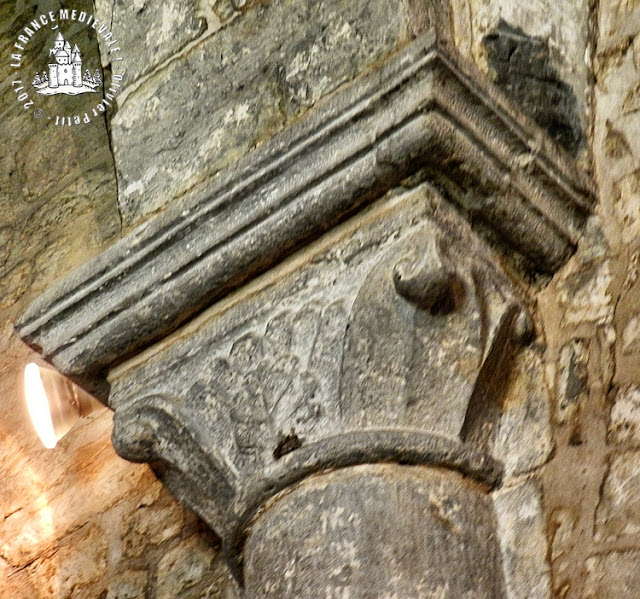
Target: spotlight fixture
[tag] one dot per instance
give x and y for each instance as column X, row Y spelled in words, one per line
column 55, row 403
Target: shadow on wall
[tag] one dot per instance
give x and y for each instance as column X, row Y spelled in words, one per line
column 521, row 67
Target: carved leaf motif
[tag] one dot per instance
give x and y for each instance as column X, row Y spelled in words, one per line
column 246, row 352
column 282, row 379
column 446, row 319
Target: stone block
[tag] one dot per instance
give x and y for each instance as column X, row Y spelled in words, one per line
column 151, row 525
column 618, row 513
column 631, row 335
column 79, row 562
column 585, row 295
column 239, row 86
column 100, row 481
column 613, row 575
column 572, row 381
column 557, row 36
column 624, row 422
column 149, row 33
column 522, row 534
column 524, row 438
column 130, row 584
column 183, row 567
column 564, row 522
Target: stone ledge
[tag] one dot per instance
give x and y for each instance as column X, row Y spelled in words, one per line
column 419, row 109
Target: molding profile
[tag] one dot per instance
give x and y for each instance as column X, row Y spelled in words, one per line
column 277, row 414
column 429, row 395
column 420, row 115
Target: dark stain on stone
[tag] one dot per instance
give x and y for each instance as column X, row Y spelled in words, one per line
column 286, row 444
column 521, row 68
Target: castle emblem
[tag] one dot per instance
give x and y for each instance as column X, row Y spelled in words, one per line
column 65, row 72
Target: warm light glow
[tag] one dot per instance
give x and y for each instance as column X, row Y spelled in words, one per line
column 45, row 517
column 55, row 402
column 38, row 405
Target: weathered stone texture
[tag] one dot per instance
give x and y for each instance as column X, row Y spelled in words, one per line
column 151, row 525
column 613, row 575
column 128, row 585
column 586, row 295
column 76, row 566
column 591, row 486
column 624, row 424
column 627, row 321
column 382, row 531
column 150, row 33
column 619, row 510
column 233, row 90
column 182, row 569
column 617, row 122
column 573, row 380
column 523, row 543
column 521, row 66
column 553, row 36
column 524, row 438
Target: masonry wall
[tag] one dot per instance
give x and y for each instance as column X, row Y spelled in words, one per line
column 209, row 81
column 78, row 521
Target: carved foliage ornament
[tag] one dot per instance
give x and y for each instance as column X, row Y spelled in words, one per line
column 399, row 359
column 389, row 340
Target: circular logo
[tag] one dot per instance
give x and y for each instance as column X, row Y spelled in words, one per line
column 52, row 77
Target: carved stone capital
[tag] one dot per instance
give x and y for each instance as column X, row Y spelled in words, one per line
column 389, row 343
column 421, row 114
column 373, row 362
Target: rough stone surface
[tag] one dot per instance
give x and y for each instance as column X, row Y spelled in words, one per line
column 70, row 572
column 563, row 28
column 384, row 531
column 613, row 575
column 624, row 423
column 238, row 87
column 521, row 530
column 564, row 523
column 616, row 124
column 60, row 511
column 521, row 67
column 631, row 335
column 524, row 438
column 587, row 297
column 619, row 510
column 182, row 568
column 129, row 585
column 149, row 34
column 572, row 385
column 151, row 525
column 98, row 482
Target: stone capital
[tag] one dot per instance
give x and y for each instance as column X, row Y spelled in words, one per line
column 336, row 317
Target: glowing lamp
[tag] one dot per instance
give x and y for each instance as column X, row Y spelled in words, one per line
column 55, row 403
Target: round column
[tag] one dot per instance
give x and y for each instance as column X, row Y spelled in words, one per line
column 376, row 532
